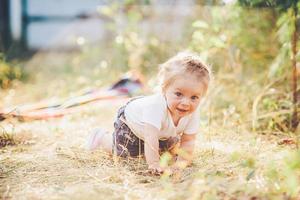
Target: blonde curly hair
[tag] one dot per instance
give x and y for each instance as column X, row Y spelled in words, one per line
column 184, row 63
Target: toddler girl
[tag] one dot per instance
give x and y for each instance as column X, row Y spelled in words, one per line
column 164, row 121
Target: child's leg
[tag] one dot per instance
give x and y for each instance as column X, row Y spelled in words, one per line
column 125, row 143
column 100, row 138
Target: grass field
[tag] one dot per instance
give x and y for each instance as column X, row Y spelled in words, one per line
column 48, row 160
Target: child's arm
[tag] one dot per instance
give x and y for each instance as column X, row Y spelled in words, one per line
column 152, row 148
column 186, row 149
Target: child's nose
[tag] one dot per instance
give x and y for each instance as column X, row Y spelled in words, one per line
column 185, row 102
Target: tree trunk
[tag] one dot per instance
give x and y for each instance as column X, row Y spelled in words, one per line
column 295, row 117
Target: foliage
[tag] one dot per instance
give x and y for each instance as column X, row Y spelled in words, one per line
column 281, row 4
column 235, row 39
column 8, row 73
column 288, row 36
column 236, row 42
column 6, row 138
column 286, row 180
column 135, row 49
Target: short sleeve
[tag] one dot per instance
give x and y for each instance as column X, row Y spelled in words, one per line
column 154, row 113
column 192, row 126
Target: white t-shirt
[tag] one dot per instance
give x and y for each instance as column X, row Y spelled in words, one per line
column 153, row 110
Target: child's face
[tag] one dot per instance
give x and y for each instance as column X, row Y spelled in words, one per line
column 183, row 95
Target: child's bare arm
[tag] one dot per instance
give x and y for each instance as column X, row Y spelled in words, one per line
column 152, row 147
column 186, row 149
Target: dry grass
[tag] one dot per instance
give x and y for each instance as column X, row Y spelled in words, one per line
column 49, row 161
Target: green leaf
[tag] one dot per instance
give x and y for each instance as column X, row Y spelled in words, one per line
column 165, row 159
column 198, row 36
column 200, row 24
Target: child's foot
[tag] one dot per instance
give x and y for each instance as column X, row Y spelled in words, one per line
column 95, row 138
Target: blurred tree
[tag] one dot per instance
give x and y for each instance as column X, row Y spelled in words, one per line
column 281, row 4
column 8, row 72
column 137, row 50
column 288, row 34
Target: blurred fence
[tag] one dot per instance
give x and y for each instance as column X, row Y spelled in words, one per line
column 57, row 24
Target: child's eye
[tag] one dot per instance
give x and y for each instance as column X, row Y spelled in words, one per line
column 178, row 94
column 194, row 97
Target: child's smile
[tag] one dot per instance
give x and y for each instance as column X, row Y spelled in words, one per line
column 183, row 96
column 182, row 110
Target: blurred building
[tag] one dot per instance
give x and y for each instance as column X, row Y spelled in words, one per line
column 65, row 24
column 36, row 24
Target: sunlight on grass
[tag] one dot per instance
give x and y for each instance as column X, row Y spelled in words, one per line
column 244, row 149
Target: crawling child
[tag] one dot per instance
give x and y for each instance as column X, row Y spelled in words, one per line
column 166, row 121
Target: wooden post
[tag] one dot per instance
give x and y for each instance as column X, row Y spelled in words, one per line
column 5, row 34
column 24, row 24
